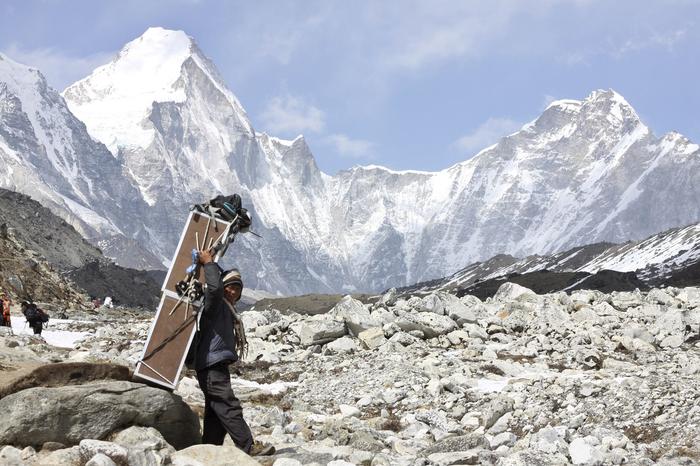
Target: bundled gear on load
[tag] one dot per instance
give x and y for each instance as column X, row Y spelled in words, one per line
column 228, row 209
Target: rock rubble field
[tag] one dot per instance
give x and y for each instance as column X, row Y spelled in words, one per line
column 518, row 379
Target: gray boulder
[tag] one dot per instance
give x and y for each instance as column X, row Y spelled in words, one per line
column 101, row 459
column 92, row 448
column 63, row 457
column 317, row 330
column 495, row 409
column 64, row 373
column 342, row 345
column 355, row 315
column 431, row 303
column 372, row 338
column 514, row 292
column 212, row 455
column 146, row 446
column 458, row 443
column 456, row 310
column 430, row 324
column 93, row 411
column 671, row 322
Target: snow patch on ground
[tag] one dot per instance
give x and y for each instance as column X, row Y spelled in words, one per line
column 59, row 338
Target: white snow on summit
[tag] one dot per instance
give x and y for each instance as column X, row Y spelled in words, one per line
column 116, row 99
column 145, row 71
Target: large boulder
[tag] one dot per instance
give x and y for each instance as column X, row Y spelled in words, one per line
column 318, row 330
column 456, row 309
column 355, row 315
column 372, row 338
column 63, row 373
column 514, row 292
column 253, row 319
column 669, row 323
column 146, row 446
column 430, row 324
column 93, row 411
column 212, row 455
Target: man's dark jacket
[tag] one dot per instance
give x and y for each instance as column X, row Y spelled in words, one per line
column 216, row 341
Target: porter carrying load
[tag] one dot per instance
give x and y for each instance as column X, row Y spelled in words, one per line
column 213, row 227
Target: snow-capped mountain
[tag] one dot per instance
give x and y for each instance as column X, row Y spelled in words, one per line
column 584, row 171
column 45, row 152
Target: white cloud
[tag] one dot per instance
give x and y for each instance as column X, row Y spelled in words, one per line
column 59, row 68
column 290, row 115
column 489, row 132
column 351, row 148
column 449, row 30
column 665, row 40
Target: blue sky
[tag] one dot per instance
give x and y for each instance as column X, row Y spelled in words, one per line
column 405, row 84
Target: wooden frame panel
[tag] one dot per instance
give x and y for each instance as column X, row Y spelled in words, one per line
column 168, row 341
column 196, row 226
column 173, row 327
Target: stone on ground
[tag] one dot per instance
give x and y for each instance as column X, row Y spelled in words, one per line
column 93, row 411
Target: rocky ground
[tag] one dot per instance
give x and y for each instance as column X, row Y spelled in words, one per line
column 518, row 379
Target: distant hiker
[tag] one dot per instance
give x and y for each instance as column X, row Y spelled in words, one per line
column 5, row 309
column 217, row 346
column 35, row 316
column 108, row 302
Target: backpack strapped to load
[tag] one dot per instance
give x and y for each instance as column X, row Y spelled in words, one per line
column 227, row 208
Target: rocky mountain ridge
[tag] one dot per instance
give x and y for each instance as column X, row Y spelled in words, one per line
column 577, row 174
column 669, row 258
column 584, row 171
column 47, row 260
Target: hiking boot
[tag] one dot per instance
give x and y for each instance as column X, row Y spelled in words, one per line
column 261, row 449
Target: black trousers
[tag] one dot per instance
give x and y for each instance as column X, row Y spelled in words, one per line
column 222, row 410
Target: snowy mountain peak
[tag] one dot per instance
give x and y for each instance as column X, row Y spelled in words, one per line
column 609, row 102
column 18, row 77
column 606, row 103
column 160, row 66
column 565, row 105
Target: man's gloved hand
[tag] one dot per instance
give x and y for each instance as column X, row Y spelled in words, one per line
column 205, row 257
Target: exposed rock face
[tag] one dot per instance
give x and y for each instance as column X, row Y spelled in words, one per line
column 55, row 263
column 70, row 414
column 45, row 145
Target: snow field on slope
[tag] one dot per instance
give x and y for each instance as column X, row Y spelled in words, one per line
column 654, row 250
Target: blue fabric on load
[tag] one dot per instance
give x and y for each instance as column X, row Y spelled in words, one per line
column 217, row 342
